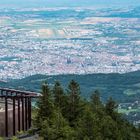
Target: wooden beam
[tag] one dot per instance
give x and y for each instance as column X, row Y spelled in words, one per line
column 20, row 92
column 14, row 124
column 6, row 117
column 9, row 96
column 23, row 118
column 18, row 99
column 26, row 114
column 29, row 112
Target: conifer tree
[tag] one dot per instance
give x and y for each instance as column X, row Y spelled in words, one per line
column 95, row 99
column 58, row 93
column 111, row 107
column 96, row 104
column 56, row 128
column 74, row 106
column 44, row 105
column 86, row 125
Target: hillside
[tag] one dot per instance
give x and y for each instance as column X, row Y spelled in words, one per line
column 122, row 87
column 61, row 116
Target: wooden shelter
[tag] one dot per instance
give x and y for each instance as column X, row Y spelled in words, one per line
column 15, row 111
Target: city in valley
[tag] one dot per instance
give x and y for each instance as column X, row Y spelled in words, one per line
column 79, row 41
column 70, row 69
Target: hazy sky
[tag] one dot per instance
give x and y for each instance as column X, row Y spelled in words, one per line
column 66, row 3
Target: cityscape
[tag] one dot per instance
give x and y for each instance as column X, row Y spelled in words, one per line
column 79, row 41
column 70, row 70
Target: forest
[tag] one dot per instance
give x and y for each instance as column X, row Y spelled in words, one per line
column 63, row 114
column 105, row 83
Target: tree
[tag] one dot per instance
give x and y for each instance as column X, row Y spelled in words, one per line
column 111, row 107
column 86, row 124
column 44, row 105
column 58, row 93
column 109, row 128
column 96, row 104
column 56, row 128
column 95, row 100
column 74, row 105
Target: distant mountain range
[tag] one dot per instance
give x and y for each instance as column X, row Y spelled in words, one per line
column 122, row 87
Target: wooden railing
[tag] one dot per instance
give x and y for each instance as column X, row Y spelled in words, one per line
column 21, row 102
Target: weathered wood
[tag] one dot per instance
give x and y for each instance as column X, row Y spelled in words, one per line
column 26, row 114
column 14, row 129
column 21, row 103
column 23, row 118
column 6, row 117
column 18, row 99
column 19, row 92
column 29, row 112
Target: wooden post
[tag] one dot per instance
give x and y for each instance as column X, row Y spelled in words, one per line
column 6, row 116
column 23, row 122
column 1, row 92
column 14, row 130
column 26, row 115
column 18, row 98
column 29, row 112
column 21, row 107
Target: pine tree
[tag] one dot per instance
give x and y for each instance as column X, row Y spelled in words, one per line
column 58, row 93
column 57, row 128
column 74, row 105
column 95, row 100
column 44, row 105
column 96, row 104
column 86, row 124
column 111, row 107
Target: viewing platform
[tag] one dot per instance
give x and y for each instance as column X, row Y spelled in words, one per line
column 15, row 111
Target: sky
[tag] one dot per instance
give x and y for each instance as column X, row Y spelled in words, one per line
column 66, row 3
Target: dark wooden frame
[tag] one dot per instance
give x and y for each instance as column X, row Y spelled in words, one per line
column 24, row 107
